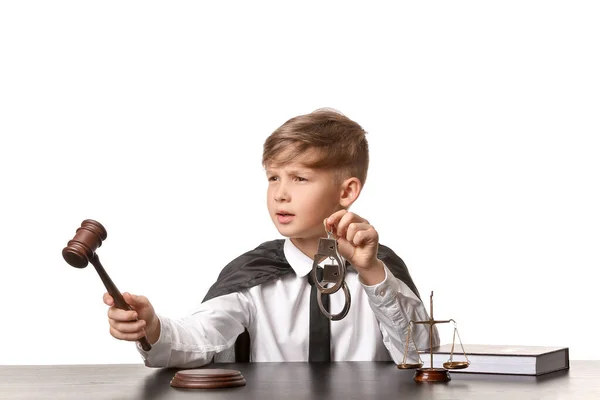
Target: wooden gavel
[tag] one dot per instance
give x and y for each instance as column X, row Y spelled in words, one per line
column 82, row 249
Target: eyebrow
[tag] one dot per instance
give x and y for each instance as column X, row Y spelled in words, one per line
column 300, row 171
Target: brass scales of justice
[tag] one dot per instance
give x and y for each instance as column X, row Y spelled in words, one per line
column 334, row 273
column 432, row 374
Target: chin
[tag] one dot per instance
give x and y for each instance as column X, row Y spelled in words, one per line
column 288, row 232
column 292, row 231
column 300, row 235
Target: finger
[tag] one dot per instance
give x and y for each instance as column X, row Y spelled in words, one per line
column 128, row 297
column 333, row 219
column 354, row 228
column 122, row 315
column 127, row 327
column 346, row 249
column 127, row 336
column 135, row 301
column 365, row 237
column 348, row 218
column 108, row 300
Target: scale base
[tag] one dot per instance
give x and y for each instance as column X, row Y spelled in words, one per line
column 432, row 375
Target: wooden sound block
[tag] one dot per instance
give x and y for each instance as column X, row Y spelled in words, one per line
column 208, row 379
column 432, row 375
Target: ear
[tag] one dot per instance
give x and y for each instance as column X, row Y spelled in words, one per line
column 349, row 191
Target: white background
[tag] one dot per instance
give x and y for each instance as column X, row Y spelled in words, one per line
column 482, row 117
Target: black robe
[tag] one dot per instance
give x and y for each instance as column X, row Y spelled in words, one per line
column 266, row 263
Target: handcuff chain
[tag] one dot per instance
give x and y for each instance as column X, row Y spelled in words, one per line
column 328, row 248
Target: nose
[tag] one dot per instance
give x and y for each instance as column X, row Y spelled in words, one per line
column 281, row 193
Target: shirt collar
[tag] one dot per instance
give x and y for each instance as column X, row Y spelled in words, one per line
column 300, row 262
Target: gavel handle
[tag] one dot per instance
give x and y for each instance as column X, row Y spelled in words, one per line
column 111, row 288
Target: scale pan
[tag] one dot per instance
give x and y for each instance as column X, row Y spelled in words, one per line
column 410, row 366
column 456, row 364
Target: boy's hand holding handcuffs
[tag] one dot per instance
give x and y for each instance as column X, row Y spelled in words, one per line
column 357, row 242
column 352, row 238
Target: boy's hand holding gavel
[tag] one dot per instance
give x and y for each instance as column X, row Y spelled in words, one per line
column 131, row 325
column 80, row 251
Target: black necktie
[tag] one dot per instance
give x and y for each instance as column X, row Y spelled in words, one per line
column 320, row 331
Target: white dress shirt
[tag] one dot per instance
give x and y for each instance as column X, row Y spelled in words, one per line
column 276, row 315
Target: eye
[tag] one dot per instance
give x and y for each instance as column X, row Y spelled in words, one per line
column 300, row 179
column 272, row 178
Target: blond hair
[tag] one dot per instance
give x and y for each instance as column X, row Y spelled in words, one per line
column 339, row 143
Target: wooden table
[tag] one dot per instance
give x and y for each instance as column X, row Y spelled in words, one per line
column 288, row 381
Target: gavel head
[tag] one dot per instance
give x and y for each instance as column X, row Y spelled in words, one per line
column 87, row 239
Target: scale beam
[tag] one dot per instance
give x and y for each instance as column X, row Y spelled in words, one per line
column 431, row 322
column 432, row 374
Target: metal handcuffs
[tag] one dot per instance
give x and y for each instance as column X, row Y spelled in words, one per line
column 331, row 274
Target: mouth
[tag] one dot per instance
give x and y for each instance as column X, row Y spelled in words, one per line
column 284, row 217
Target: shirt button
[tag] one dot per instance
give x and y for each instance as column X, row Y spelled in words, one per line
column 382, row 293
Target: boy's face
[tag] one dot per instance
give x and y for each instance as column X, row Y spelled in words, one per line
column 300, row 198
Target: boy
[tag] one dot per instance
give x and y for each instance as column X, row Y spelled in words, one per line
column 316, row 166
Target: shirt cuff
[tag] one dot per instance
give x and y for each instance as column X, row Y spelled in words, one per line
column 384, row 292
column 162, row 345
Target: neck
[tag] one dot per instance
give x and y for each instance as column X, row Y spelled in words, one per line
column 308, row 246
